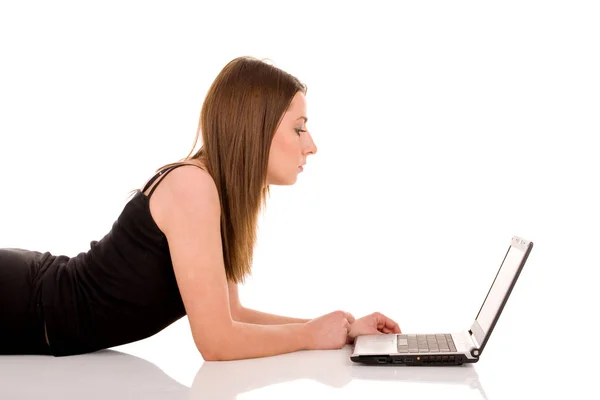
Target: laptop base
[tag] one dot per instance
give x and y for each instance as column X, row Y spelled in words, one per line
column 414, row 360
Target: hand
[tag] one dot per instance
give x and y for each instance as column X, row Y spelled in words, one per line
column 372, row 324
column 329, row 331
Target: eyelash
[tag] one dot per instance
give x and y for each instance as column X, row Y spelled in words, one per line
column 298, row 130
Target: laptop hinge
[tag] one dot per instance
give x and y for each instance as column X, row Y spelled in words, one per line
column 475, row 351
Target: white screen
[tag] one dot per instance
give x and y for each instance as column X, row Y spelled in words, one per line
column 499, row 289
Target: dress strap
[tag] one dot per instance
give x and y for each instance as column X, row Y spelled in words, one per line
column 147, row 185
column 160, row 176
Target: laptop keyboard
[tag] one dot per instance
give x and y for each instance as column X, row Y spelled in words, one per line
column 439, row 343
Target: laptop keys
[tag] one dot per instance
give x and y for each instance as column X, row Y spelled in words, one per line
column 450, row 343
column 413, row 345
column 439, row 343
column 432, row 344
column 402, row 343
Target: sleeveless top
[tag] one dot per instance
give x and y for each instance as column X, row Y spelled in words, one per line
column 121, row 290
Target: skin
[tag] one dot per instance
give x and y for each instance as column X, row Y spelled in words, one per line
column 291, row 145
column 186, row 208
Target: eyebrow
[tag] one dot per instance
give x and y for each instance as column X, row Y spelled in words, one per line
column 304, row 118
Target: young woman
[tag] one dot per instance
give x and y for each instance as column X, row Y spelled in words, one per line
column 183, row 243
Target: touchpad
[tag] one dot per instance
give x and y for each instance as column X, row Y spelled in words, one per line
column 380, row 343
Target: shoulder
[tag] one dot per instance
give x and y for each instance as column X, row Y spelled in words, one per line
column 185, row 193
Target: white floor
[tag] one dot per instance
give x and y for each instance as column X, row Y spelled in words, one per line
column 326, row 374
column 444, row 128
column 167, row 366
column 541, row 346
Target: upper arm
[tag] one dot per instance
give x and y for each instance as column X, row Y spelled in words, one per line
column 190, row 219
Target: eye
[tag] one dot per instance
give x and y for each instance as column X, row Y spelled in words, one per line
column 299, row 130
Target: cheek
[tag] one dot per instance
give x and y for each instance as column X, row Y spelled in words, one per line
column 287, row 150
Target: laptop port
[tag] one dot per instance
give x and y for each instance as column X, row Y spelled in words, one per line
column 382, row 360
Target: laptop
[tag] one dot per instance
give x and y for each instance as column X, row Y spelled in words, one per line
column 446, row 348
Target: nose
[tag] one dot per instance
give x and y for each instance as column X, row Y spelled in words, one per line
column 311, row 147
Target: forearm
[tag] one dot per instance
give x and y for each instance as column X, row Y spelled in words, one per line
column 251, row 341
column 251, row 316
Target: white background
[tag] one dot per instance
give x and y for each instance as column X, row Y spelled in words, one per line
column 443, row 129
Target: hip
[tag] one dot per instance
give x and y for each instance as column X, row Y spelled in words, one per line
column 21, row 308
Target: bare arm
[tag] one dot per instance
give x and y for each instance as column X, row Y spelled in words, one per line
column 187, row 209
column 250, row 316
column 258, row 317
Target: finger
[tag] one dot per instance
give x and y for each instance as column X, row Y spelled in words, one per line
column 393, row 326
column 349, row 317
column 351, row 334
column 385, row 322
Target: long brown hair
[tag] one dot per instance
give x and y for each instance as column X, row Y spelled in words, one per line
column 239, row 117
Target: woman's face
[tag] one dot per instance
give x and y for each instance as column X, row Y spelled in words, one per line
column 291, row 145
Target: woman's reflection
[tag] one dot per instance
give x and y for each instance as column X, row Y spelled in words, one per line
column 226, row 380
column 113, row 375
column 105, row 374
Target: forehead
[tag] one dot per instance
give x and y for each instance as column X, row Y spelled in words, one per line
column 298, row 104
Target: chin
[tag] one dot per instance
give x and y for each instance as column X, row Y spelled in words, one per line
column 284, row 181
column 288, row 182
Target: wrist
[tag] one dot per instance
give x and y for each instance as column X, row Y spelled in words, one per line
column 305, row 336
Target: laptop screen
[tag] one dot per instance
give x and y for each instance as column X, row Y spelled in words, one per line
column 501, row 287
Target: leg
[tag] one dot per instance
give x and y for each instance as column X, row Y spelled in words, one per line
column 21, row 332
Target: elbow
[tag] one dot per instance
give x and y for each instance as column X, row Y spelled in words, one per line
column 214, row 351
column 210, row 352
column 212, row 355
column 217, row 343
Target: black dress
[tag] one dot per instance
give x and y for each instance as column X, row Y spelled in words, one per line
column 121, row 290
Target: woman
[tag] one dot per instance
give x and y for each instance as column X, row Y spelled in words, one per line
column 183, row 243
